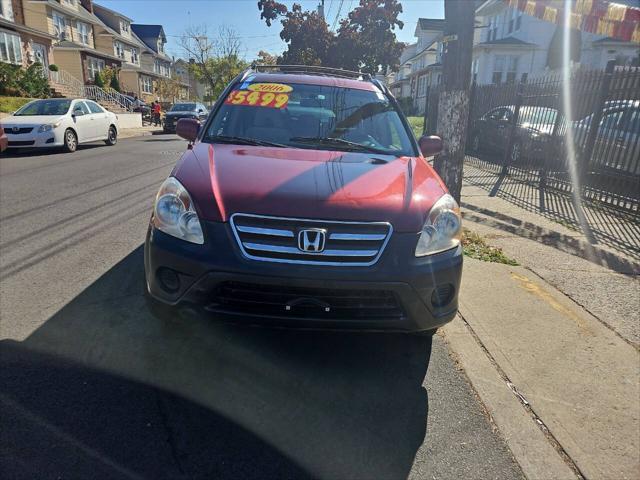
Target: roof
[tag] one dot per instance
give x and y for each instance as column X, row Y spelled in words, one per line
column 431, row 24
column 149, row 34
column 508, row 41
column 609, row 40
column 23, row 28
column 131, row 41
column 67, row 45
column 81, row 12
column 112, row 12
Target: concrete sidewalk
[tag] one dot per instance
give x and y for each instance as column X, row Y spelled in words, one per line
column 139, row 132
column 551, row 347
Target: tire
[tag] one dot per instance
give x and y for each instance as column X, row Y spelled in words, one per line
column 112, row 136
column 475, row 143
column 70, row 141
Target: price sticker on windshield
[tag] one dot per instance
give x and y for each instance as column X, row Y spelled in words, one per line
column 271, row 95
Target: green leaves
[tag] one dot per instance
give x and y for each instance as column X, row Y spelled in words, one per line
column 364, row 41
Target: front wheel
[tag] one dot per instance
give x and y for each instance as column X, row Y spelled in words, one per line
column 112, row 137
column 70, row 141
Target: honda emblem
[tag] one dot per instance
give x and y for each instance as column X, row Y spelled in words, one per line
column 312, row 240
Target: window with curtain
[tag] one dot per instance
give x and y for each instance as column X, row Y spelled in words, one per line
column 60, row 26
column 83, row 32
column 498, row 69
column 10, row 48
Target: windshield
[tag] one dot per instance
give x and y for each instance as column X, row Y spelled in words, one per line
column 45, row 107
column 183, row 107
column 537, row 115
column 312, row 117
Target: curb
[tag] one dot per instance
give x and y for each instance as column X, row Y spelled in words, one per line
column 531, row 449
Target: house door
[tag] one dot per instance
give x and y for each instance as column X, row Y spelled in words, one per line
column 40, row 55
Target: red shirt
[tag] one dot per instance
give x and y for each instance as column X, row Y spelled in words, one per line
column 156, row 108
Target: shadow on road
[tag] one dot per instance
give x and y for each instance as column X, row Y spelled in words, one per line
column 103, row 389
column 36, row 152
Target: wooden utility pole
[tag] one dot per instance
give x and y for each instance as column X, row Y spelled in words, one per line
column 453, row 104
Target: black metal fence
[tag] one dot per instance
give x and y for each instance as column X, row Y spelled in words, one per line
column 583, row 135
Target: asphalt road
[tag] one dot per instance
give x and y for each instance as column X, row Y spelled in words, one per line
column 93, row 386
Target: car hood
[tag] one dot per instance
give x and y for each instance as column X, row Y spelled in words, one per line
column 30, row 120
column 302, row 183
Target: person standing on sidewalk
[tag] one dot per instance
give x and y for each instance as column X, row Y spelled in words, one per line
column 156, row 113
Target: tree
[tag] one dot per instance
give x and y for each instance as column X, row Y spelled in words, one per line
column 115, row 83
column 169, row 89
column 97, row 80
column 453, row 104
column 265, row 58
column 216, row 61
column 365, row 39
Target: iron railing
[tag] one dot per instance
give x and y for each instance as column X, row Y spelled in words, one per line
column 92, row 92
column 524, row 131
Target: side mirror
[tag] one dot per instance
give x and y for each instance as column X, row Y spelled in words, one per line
column 188, row 128
column 78, row 113
column 430, row 145
column 201, row 111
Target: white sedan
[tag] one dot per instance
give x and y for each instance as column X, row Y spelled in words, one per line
column 60, row 122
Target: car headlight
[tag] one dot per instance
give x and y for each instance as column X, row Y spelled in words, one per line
column 174, row 214
column 443, row 228
column 47, row 127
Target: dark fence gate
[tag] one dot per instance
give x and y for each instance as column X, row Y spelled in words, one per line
column 525, row 131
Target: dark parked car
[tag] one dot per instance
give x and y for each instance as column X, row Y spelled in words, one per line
column 616, row 144
column 196, row 111
column 533, row 140
column 305, row 200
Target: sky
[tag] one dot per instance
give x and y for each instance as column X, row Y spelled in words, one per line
column 244, row 17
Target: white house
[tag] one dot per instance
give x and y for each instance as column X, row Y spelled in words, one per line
column 511, row 46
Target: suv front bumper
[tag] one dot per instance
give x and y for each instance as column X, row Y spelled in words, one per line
column 400, row 292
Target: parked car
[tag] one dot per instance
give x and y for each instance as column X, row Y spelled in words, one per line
column 305, row 200
column 183, row 110
column 4, row 141
column 616, row 142
column 60, row 122
column 533, row 140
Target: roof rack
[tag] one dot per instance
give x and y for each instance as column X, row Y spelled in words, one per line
column 312, row 70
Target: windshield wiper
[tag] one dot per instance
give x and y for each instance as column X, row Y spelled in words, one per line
column 242, row 141
column 340, row 142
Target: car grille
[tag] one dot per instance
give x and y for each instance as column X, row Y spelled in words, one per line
column 304, row 302
column 19, row 131
column 24, row 143
column 276, row 239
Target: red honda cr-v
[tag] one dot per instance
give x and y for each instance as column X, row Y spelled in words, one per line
column 306, row 200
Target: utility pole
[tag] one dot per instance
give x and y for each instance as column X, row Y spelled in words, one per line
column 453, row 104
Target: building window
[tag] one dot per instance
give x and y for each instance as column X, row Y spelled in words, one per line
column 6, row 10
column 71, row 3
column 147, row 85
column 524, row 77
column 124, row 27
column 498, row 69
column 134, row 56
column 94, row 65
column 515, row 20
column 83, row 33
column 512, row 68
column 492, row 31
column 10, row 48
column 474, row 70
column 160, row 46
column 60, row 26
column 119, row 49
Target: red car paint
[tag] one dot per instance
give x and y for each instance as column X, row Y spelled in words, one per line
column 291, row 182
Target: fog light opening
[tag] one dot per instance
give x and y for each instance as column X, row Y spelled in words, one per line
column 442, row 295
column 169, row 279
